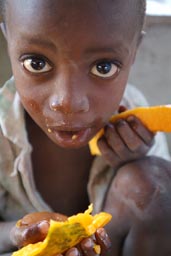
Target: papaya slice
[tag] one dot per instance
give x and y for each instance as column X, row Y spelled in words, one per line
column 155, row 118
column 64, row 235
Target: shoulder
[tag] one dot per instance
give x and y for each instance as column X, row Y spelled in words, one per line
column 133, row 97
column 7, row 94
column 9, row 86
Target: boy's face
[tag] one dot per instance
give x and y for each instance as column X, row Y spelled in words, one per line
column 71, row 60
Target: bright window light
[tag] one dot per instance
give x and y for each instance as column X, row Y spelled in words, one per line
column 159, row 7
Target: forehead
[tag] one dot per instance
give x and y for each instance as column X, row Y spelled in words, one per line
column 52, row 6
column 118, row 13
column 71, row 21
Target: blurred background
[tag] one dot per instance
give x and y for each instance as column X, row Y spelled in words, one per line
column 151, row 72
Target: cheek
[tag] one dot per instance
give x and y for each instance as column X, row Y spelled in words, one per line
column 32, row 105
column 32, row 95
column 113, row 95
column 35, row 109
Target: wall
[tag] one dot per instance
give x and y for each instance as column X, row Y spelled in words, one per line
column 151, row 71
column 5, row 70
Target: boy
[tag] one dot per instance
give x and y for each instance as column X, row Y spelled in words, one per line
column 71, row 60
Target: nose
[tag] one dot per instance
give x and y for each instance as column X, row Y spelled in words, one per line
column 69, row 99
column 69, row 106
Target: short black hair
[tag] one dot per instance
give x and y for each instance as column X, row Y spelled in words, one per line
column 140, row 7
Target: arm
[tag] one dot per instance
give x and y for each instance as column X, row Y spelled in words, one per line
column 5, row 242
column 139, row 199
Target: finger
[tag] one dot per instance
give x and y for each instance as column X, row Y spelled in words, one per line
column 130, row 137
column 37, row 217
column 109, row 154
column 88, row 247
column 122, row 109
column 141, row 130
column 36, row 233
column 32, row 234
column 103, row 240
column 18, row 237
column 116, row 142
column 73, row 252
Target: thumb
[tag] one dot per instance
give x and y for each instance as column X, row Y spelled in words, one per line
column 22, row 236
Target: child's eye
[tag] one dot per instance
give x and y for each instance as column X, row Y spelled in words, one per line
column 105, row 69
column 36, row 65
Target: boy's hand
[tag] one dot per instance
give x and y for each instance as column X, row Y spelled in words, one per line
column 124, row 141
column 87, row 246
column 34, row 227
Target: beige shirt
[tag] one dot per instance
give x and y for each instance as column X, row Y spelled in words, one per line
column 18, row 194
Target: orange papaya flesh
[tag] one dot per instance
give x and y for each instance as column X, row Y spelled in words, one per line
column 64, row 235
column 155, row 118
column 97, row 249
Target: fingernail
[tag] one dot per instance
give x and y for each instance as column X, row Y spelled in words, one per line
column 120, row 122
column 88, row 243
column 122, row 109
column 104, row 237
column 130, row 119
column 73, row 252
column 102, row 233
column 44, row 226
column 108, row 126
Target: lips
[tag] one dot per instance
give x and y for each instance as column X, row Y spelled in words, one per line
column 70, row 136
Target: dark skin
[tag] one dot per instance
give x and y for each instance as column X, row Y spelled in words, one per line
column 141, row 216
column 79, row 159
column 57, row 69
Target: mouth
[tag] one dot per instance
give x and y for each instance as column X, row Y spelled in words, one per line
column 70, row 137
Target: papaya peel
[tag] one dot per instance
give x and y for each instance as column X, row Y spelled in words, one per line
column 63, row 235
column 155, row 118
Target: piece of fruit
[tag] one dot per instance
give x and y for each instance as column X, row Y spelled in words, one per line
column 64, row 235
column 156, row 118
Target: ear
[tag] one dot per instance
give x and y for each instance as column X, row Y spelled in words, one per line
column 141, row 37
column 142, row 34
column 3, row 29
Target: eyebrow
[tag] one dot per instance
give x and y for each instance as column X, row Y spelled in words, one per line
column 117, row 48
column 111, row 49
column 39, row 42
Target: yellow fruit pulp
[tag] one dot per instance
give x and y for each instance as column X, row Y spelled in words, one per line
column 64, row 235
column 156, row 118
